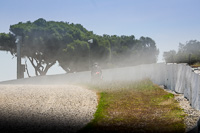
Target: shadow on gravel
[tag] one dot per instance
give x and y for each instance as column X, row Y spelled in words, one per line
column 15, row 125
column 127, row 129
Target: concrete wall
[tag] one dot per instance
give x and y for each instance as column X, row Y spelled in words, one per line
column 177, row 77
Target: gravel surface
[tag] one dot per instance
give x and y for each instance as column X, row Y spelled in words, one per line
column 43, row 108
column 193, row 115
column 58, row 108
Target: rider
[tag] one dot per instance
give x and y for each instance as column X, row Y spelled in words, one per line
column 96, row 68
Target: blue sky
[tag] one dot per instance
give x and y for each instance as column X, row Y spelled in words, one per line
column 167, row 22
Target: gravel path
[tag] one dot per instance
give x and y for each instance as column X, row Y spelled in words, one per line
column 57, row 108
column 39, row 108
column 193, row 115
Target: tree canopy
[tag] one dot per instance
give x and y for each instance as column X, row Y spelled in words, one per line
column 45, row 42
column 187, row 53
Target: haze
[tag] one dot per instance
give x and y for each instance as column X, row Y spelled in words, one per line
column 167, row 22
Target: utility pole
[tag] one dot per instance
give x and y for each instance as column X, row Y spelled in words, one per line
column 18, row 43
column 90, row 42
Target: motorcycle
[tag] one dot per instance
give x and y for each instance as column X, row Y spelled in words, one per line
column 97, row 76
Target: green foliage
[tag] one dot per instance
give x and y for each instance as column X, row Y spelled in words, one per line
column 169, row 56
column 103, row 103
column 168, row 96
column 75, row 54
column 45, row 42
column 7, row 42
column 187, row 53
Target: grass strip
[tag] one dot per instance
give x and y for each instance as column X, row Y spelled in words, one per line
column 135, row 107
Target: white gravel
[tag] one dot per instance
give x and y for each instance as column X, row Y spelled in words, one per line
column 36, row 108
column 193, row 115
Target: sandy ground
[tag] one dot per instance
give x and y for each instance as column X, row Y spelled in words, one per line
column 45, row 108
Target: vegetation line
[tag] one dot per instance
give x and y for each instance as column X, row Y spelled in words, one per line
column 47, row 42
column 139, row 107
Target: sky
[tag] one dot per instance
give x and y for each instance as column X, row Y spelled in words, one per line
column 167, row 22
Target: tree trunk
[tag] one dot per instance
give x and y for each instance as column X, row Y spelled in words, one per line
column 39, row 69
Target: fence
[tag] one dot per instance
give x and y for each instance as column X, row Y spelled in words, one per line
column 177, row 77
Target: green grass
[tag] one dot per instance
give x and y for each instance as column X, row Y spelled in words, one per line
column 135, row 107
